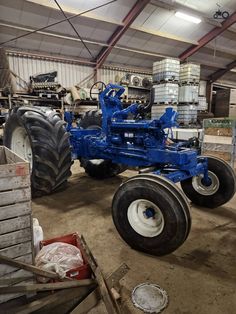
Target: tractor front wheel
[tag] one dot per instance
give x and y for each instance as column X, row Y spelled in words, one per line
column 221, row 189
column 98, row 168
column 151, row 214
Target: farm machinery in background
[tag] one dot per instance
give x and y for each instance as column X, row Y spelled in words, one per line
column 46, row 85
column 149, row 211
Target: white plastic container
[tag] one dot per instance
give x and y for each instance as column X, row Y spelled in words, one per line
column 189, row 72
column 232, row 111
column 166, row 93
column 188, row 94
column 202, row 104
column 38, row 235
column 187, row 114
column 202, row 88
column 232, row 98
column 166, row 65
column 166, row 76
column 185, row 134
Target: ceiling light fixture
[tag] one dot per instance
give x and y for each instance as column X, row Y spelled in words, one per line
column 188, row 17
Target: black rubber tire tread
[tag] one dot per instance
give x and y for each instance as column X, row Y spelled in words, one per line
column 225, row 14
column 227, row 188
column 174, row 190
column 106, row 169
column 174, row 211
column 91, row 118
column 50, row 147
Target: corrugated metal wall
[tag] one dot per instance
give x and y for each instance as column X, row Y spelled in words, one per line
column 69, row 74
column 114, row 75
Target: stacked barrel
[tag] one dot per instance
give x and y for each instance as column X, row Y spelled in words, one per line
column 188, row 93
column 165, row 85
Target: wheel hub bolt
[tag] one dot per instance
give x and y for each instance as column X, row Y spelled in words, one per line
column 149, row 213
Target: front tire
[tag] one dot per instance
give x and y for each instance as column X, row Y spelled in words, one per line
column 150, row 215
column 225, row 15
column 221, row 189
column 39, row 136
column 98, row 168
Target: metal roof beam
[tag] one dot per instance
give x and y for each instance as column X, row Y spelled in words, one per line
column 209, row 37
column 127, row 21
column 218, row 74
column 91, row 42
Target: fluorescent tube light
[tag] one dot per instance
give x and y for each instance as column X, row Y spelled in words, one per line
column 188, row 17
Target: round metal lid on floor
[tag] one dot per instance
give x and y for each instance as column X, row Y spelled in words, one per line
column 150, row 298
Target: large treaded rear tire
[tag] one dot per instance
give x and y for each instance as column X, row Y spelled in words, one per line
column 49, row 140
column 105, row 168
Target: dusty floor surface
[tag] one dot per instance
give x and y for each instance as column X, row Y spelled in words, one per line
column 200, row 277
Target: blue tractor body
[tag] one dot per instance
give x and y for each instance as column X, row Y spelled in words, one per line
column 135, row 142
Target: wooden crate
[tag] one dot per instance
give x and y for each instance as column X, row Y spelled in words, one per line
column 16, row 236
column 219, row 139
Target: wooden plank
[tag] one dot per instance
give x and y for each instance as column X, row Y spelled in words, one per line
column 12, row 170
column 16, row 237
column 15, row 224
column 12, row 157
column 219, row 131
column 14, row 183
column 218, row 147
column 10, row 296
column 17, row 274
column 15, row 196
column 20, row 273
column 218, row 139
column 6, row 269
column 15, row 210
column 88, row 303
column 3, row 159
column 34, row 269
column 109, row 301
column 223, row 155
column 55, row 299
column 114, row 278
column 17, row 250
column 47, row 286
column 92, row 299
column 13, row 281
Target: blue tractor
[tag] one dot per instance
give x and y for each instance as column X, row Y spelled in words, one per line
column 150, row 212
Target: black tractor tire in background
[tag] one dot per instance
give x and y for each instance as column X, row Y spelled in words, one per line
column 49, row 141
column 99, row 169
column 219, row 192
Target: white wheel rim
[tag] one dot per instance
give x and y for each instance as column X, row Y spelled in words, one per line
column 96, row 162
column 145, row 218
column 202, row 189
column 20, row 144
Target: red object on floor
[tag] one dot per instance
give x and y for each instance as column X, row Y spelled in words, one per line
column 82, row 272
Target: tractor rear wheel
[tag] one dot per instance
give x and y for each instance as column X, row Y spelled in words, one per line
column 98, row 168
column 39, row 136
column 221, row 189
column 151, row 214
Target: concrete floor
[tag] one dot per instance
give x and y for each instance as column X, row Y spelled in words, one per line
column 200, row 277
